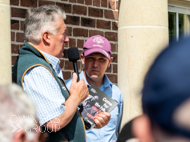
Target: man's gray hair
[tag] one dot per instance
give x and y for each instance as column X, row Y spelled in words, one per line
column 17, row 112
column 42, row 19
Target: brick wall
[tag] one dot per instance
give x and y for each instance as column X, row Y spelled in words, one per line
column 85, row 18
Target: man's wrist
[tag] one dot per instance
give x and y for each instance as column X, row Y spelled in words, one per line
column 75, row 99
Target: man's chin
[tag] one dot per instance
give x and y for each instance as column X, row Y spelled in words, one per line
column 61, row 56
column 94, row 77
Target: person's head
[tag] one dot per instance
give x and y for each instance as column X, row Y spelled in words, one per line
column 166, row 97
column 96, row 57
column 45, row 26
column 95, row 98
column 18, row 117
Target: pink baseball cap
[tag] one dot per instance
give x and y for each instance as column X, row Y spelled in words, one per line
column 97, row 44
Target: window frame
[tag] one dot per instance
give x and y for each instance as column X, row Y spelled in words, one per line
column 182, row 7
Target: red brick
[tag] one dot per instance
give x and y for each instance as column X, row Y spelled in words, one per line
column 82, row 10
column 87, row 22
column 65, row 54
column 72, row 42
column 95, row 32
column 114, row 25
column 109, row 14
column 112, row 4
column 112, row 77
column 95, row 12
column 72, row 20
column 18, row 12
column 14, row 24
column 46, row 3
column 29, row 3
column 68, row 65
column 113, row 47
column 68, row 31
column 80, row 32
column 114, row 58
column 15, row 48
column 80, row 43
column 66, row 44
column 14, row 2
column 22, row 25
column 12, row 36
column 19, row 37
column 65, row 7
column 88, row 2
column 104, row 3
column 96, row 3
column 14, row 58
column 115, row 13
column 114, row 68
column 111, row 36
column 72, row 1
column 80, row 1
column 66, row 75
column 103, row 24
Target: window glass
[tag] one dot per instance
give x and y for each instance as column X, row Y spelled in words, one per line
column 172, row 26
column 181, row 25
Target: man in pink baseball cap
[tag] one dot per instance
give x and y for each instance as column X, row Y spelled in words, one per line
column 96, row 58
column 97, row 44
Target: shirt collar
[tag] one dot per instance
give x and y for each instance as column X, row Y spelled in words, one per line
column 54, row 61
column 107, row 82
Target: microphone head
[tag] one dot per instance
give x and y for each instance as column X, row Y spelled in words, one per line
column 73, row 54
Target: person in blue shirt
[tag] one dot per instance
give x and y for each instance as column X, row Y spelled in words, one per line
column 96, row 58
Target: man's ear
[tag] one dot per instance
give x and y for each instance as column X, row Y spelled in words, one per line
column 142, row 129
column 110, row 60
column 20, row 137
column 46, row 37
column 82, row 58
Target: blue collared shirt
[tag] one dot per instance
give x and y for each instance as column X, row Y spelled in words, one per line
column 45, row 92
column 109, row 132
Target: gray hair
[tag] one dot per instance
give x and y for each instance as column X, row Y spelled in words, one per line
column 42, row 19
column 15, row 106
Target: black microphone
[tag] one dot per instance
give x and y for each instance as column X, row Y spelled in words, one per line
column 73, row 55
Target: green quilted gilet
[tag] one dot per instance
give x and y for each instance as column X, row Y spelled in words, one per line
column 29, row 57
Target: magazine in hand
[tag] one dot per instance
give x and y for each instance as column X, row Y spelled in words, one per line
column 95, row 103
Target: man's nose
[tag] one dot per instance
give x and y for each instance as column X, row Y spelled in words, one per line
column 66, row 39
column 96, row 63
